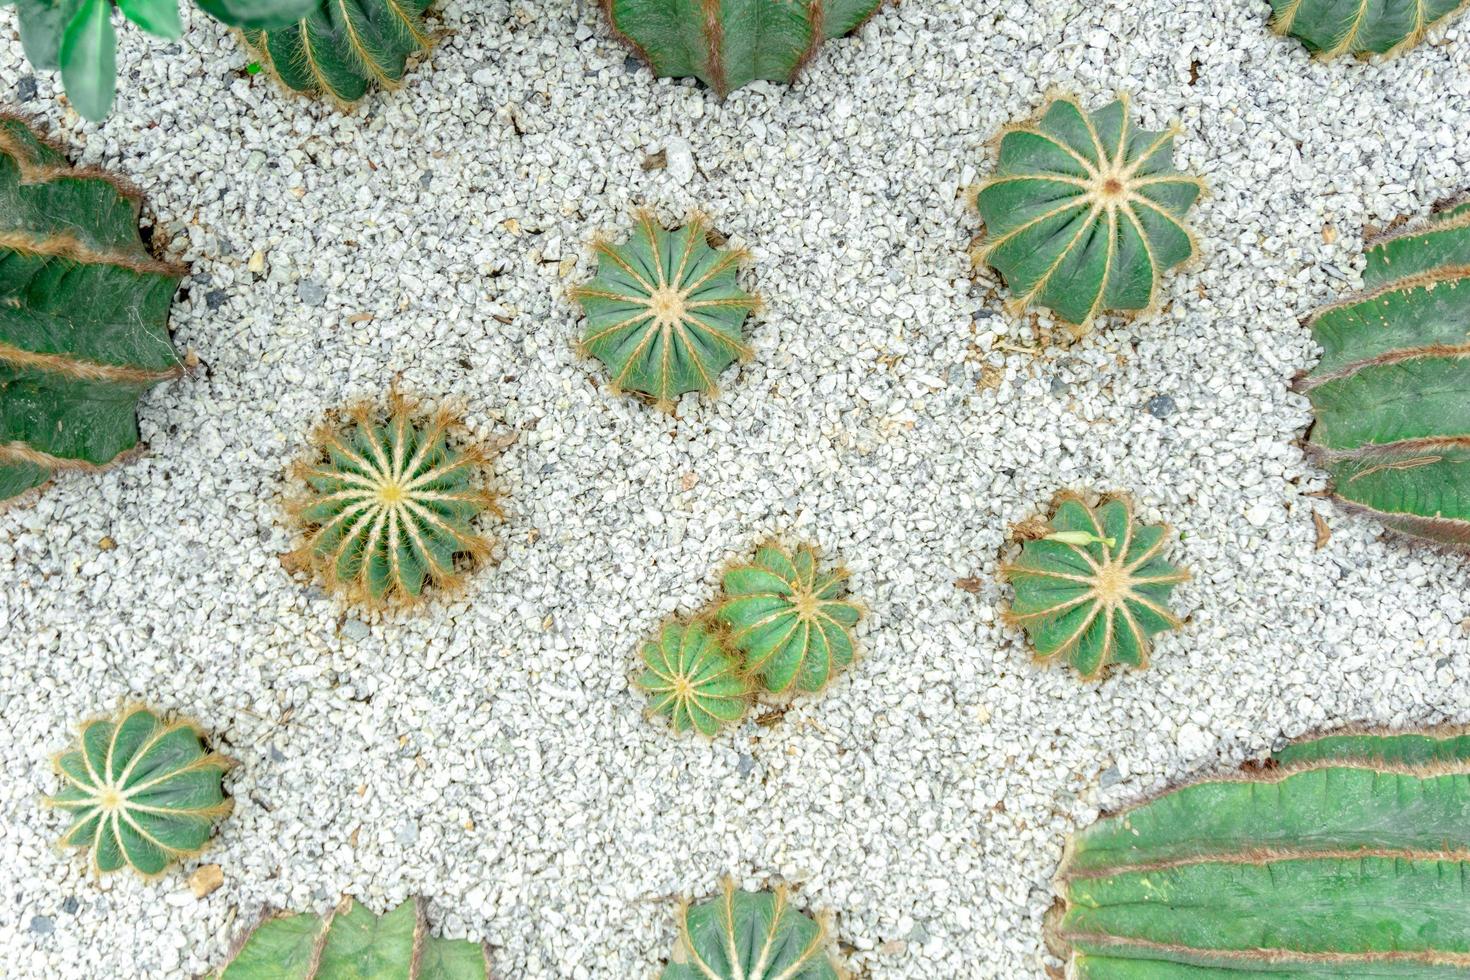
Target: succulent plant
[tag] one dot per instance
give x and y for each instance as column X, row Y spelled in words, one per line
column 1391, row 394
column 1085, row 212
column 142, row 793
column 1344, row 857
column 791, row 622
column 351, row 941
column 727, row 45
column 83, row 313
column 341, row 49
column 1095, row 588
column 390, row 504
column 77, row 36
column 1330, row 28
column 665, row 313
column 692, row 680
column 746, row 935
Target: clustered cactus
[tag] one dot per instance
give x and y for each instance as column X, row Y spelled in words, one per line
column 77, row 36
column 1094, row 588
column 341, row 48
column 1345, row 857
column 142, row 792
column 391, row 504
column 1085, row 212
column 727, row 45
column 744, row 935
column 665, row 313
column 350, row 941
column 1391, row 394
column 83, row 313
column 781, row 626
column 1330, row 28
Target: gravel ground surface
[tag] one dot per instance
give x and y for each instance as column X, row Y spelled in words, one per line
column 490, row 754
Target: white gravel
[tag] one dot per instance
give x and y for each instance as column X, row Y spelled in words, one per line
column 490, row 754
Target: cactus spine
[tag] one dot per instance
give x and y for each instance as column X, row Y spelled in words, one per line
column 344, row 47
column 745, row 935
column 1329, row 28
column 83, row 314
column 351, row 941
column 730, row 43
column 1346, row 857
column 1392, row 391
column 143, row 793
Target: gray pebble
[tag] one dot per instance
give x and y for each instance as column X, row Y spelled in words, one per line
column 311, row 293
column 69, row 905
column 354, row 630
column 215, row 298
column 42, row 925
column 1109, row 777
column 25, row 89
column 745, row 764
column 407, row 833
column 1160, row 406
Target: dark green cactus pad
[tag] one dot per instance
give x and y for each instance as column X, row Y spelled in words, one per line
column 1347, row 857
column 692, row 680
column 1392, row 391
column 1094, row 590
column 83, row 314
column 665, row 313
column 1085, row 212
column 390, row 505
column 1329, row 28
column 345, row 47
column 750, row 936
column 143, row 793
column 352, row 942
column 792, row 622
column 730, row 43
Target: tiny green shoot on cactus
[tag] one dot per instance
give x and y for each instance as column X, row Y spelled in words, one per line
column 142, row 792
column 1329, row 28
column 1344, row 858
column 743, row 935
column 791, row 621
column 665, row 313
column 340, row 49
column 351, row 942
column 1094, row 589
column 1085, row 212
column 390, row 505
column 732, row 43
column 83, row 314
column 692, row 680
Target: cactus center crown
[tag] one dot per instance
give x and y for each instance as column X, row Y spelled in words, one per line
column 109, row 798
column 667, row 305
column 806, row 604
column 390, row 493
column 1112, row 583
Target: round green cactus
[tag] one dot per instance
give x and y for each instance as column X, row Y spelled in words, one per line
column 665, row 313
column 83, row 314
column 344, row 47
column 792, row 623
column 1085, row 212
column 1329, row 28
column 390, row 505
column 751, row 936
column 1095, row 588
column 143, row 793
column 1392, row 392
column 352, row 942
column 730, row 44
column 692, row 680
column 1346, row 857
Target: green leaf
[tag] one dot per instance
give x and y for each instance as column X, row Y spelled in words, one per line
column 258, row 15
column 89, row 59
column 160, row 17
column 41, row 22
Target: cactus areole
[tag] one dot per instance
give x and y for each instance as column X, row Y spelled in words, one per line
column 83, row 314
column 1346, row 856
column 1392, row 391
column 730, row 43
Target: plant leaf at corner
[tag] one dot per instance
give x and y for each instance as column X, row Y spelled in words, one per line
column 160, row 17
column 89, row 59
column 258, row 15
column 41, row 22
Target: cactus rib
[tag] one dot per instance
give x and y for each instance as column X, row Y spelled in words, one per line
column 1345, row 858
column 744, row 935
column 1363, row 28
column 1392, row 424
column 83, row 313
column 729, row 43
